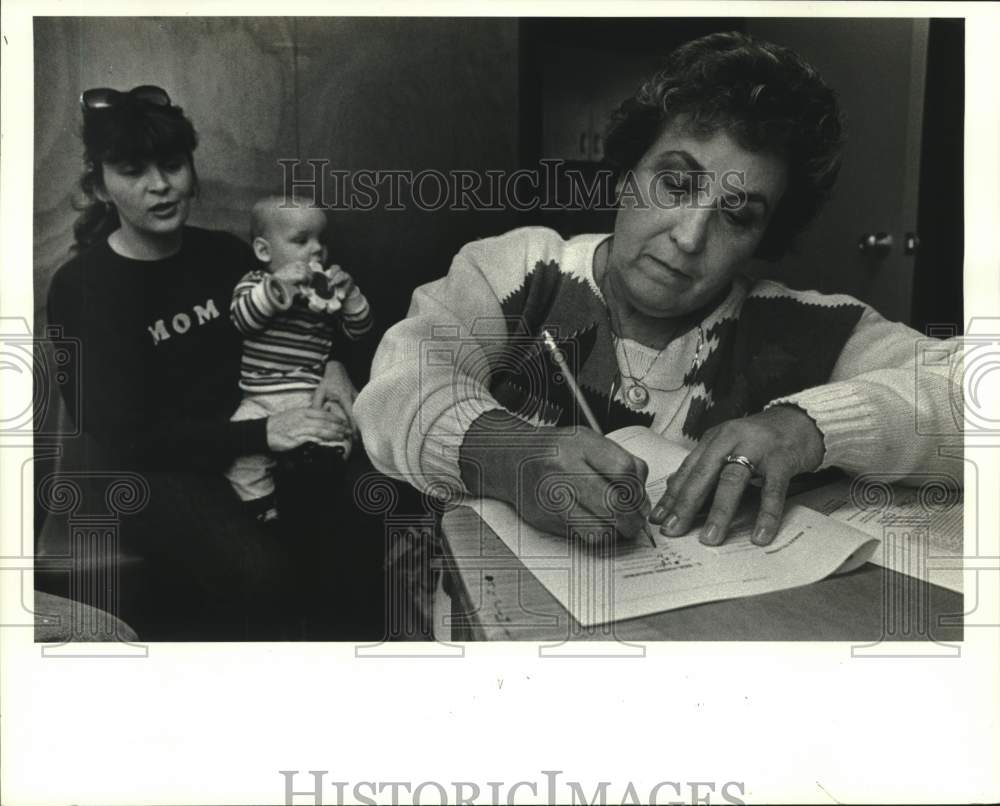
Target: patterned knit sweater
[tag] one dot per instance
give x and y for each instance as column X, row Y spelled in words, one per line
column 471, row 344
column 286, row 345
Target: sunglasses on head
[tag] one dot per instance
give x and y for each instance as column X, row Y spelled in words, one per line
column 105, row 98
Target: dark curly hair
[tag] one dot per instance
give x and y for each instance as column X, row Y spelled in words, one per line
column 132, row 130
column 765, row 96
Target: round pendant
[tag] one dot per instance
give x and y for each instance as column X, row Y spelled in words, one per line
column 637, row 396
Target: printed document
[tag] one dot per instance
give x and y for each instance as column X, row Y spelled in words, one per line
column 599, row 579
column 919, row 532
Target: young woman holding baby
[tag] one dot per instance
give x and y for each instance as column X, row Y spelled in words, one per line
column 148, row 297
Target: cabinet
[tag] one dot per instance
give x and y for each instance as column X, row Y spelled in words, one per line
column 574, row 73
column 579, row 70
column 581, row 91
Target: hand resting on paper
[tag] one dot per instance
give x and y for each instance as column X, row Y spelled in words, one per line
column 781, row 442
column 554, row 475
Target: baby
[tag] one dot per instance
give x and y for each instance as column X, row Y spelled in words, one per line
column 287, row 310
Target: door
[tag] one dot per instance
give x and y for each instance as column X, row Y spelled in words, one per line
column 877, row 67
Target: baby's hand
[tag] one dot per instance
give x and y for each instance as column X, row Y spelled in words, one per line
column 342, row 282
column 293, row 274
column 354, row 302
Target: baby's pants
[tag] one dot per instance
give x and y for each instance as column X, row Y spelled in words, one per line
column 252, row 476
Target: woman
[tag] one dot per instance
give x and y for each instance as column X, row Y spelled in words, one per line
column 725, row 154
column 148, row 298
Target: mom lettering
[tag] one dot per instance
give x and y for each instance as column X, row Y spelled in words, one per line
column 181, row 323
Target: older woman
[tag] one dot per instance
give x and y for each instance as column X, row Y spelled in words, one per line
column 724, row 155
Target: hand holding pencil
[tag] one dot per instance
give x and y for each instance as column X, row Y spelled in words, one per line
column 557, row 478
column 588, row 414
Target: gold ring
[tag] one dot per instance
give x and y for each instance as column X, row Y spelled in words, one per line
column 738, row 459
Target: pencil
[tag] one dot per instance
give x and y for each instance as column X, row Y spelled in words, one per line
column 581, row 401
column 571, row 381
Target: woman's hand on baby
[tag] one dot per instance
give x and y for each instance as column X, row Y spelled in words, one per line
column 554, row 476
column 780, row 442
column 341, row 406
column 289, row 429
column 337, row 393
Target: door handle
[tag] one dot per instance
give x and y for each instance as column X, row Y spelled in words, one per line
column 875, row 244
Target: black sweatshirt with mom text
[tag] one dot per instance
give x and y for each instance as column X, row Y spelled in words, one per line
column 156, row 375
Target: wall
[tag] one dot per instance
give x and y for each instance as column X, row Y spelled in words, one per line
column 362, row 93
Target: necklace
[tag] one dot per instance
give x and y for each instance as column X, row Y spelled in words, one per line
column 637, row 390
column 636, row 394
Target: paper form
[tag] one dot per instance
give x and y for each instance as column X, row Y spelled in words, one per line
column 662, row 456
column 599, row 580
column 924, row 541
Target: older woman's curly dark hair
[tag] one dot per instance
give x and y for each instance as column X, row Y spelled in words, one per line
column 763, row 95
